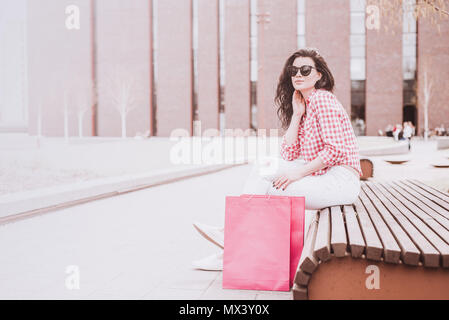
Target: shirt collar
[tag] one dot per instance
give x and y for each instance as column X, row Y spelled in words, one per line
column 311, row 95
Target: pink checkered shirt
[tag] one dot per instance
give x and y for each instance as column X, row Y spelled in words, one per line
column 325, row 131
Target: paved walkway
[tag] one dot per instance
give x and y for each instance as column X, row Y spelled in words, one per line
column 421, row 157
column 139, row 245
column 135, row 246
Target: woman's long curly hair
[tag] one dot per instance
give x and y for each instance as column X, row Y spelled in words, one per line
column 284, row 92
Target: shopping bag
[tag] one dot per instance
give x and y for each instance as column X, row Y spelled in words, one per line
column 258, row 233
column 257, row 243
column 296, row 230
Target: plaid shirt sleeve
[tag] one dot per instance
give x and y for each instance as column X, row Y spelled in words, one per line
column 291, row 152
column 330, row 126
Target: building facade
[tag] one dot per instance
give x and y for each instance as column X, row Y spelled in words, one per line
column 119, row 68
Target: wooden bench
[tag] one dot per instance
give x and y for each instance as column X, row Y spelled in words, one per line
column 367, row 167
column 392, row 243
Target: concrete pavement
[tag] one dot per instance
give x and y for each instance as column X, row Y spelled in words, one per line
column 421, row 158
column 137, row 245
column 56, row 173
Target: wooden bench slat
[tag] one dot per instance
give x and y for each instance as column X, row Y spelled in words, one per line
column 428, row 195
column 392, row 251
column 427, row 232
column 430, row 255
column 410, row 253
column 355, row 237
column 299, row 292
column 425, row 205
column 302, row 278
column 308, row 262
column 338, row 232
column 322, row 242
column 374, row 246
column 427, row 218
column 431, row 190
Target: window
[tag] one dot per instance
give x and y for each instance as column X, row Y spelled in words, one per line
column 358, row 65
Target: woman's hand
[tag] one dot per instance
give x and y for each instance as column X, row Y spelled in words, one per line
column 284, row 180
column 298, row 104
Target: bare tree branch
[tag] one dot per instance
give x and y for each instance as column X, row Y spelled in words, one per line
column 124, row 92
column 437, row 8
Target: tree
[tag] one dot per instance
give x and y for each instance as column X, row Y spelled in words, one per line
column 85, row 99
column 67, row 95
column 124, row 92
column 390, row 11
column 39, row 123
column 78, row 96
column 427, row 88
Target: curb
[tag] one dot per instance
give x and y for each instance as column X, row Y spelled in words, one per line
column 399, row 148
column 442, row 143
column 30, row 203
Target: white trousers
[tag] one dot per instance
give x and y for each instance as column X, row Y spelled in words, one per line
column 338, row 186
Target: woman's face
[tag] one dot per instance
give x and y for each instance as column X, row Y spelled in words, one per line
column 304, row 83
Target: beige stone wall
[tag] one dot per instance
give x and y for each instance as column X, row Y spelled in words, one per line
column 328, row 30
column 433, row 45
column 384, row 77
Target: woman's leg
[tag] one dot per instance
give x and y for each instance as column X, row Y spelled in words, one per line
column 338, row 186
column 259, row 182
column 265, row 171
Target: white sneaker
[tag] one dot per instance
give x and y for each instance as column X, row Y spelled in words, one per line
column 213, row 234
column 210, row 263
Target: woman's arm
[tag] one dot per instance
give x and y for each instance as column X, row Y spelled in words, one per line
column 283, row 181
column 290, row 142
column 330, row 125
column 291, row 136
column 331, row 131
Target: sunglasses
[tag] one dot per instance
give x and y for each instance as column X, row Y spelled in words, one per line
column 304, row 70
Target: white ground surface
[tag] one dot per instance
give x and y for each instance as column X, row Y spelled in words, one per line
column 26, row 164
column 137, row 245
column 140, row 245
column 420, row 165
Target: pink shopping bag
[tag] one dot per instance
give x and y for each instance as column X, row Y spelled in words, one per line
column 258, row 232
column 296, row 230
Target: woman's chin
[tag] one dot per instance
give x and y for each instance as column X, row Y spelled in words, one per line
column 302, row 88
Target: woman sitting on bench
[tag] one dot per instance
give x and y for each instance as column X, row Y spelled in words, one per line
column 319, row 156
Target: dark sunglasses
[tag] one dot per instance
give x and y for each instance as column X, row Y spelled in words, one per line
column 305, row 70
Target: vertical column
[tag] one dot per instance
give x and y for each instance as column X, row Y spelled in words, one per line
column 237, row 64
column 151, row 86
column 208, row 64
column 123, row 57
column 13, row 102
column 433, row 57
column 328, row 30
column 277, row 40
column 59, row 65
column 175, row 66
column 384, row 75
